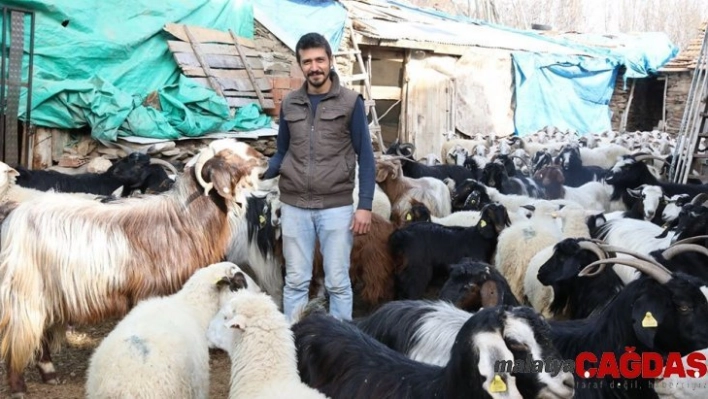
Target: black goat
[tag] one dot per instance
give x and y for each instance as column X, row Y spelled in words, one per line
column 131, row 172
column 426, row 249
column 575, row 173
column 470, row 195
column 496, row 175
column 576, row 297
column 692, row 220
column 660, row 312
column 343, row 362
column 685, row 257
column 473, row 285
column 630, row 172
column 540, row 160
column 426, row 331
column 415, row 169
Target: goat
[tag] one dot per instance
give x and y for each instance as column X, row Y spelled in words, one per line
column 425, row 249
column 138, row 357
column 575, row 173
column 416, row 170
column 591, row 195
column 71, row 261
column 428, row 331
column 401, row 189
column 131, row 172
column 649, row 204
column 473, row 285
column 343, row 362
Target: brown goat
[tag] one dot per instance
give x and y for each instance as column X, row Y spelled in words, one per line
column 67, row 260
column 552, row 179
column 401, row 189
column 372, row 266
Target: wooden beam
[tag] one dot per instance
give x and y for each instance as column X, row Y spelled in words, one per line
column 248, row 69
column 235, row 93
column 221, row 73
column 213, row 83
column 209, row 48
column 217, row 61
column 204, row 35
column 238, row 84
column 238, row 102
column 42, row 149
column 625, row 114
column 381, row 92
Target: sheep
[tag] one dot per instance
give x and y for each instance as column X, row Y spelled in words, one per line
column 604, row 157
column 160, row 347
column 425, row 250
column 473, row 285
column 591, row 195
column 428, row 331
column 400, row 189
column 416, row 170
column 74, row 261
column 470, row 146
column 262, row 349
column 343, row 362
column 372, row 264
column 675, row 303
column 131, row 172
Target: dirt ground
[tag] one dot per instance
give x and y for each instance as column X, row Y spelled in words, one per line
column 72, row 361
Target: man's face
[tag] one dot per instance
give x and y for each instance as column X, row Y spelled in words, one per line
column 315, row 66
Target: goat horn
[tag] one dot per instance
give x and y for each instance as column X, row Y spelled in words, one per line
column 594, row 248
column 690, row 240
column 674, row 250
column 205, row 155
column 522, row 160
column 699, row 199
column 162, row 162
column 660, row 274
column 610, row 248
column 410, row 146
column 644, row 157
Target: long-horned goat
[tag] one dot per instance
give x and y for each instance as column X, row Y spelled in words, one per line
column 69, row 261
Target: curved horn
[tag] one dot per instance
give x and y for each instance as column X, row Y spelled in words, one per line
column 674, row 250
column 699, row 199
column 409, row 146
column 205, row 155
column 610, row 248
column 162, row 162
column 660, row 274
column 522, row 161
column 690, row 240
column 594, row 248
column 644, row 157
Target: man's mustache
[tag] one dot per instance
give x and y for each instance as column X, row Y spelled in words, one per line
column 315, row 73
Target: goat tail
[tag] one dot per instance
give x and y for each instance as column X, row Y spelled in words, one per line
column 23, row 315
column 314, row 306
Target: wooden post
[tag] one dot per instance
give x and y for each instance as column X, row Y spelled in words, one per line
column 625, row 114
column 249, row 71
column 42, row 149
column 202, row 61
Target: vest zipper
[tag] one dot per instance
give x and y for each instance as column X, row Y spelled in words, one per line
column 312, row 155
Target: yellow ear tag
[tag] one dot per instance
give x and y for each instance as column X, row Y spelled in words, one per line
column 408, row 217
column 497, row 385
column 554, row 215
column 482, row 223
column 262, row 220
column 649, row 321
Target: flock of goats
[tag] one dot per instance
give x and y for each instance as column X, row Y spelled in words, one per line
column 498, row 251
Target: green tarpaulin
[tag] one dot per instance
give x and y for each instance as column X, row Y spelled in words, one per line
column 96, row 62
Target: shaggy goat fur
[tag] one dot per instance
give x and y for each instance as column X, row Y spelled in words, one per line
column 66, row 260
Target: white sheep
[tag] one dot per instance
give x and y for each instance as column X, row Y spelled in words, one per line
column 263, row 354
column 160, row 348
column 604, row 156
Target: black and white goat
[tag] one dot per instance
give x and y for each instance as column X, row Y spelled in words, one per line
column 427, row 249
column 426, row 331
column 473, row 285
column 575, row 173
column 414, row 169
column 341, row 361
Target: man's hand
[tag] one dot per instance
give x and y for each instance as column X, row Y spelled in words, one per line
column 362, row 221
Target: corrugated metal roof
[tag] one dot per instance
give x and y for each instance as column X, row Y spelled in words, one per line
column 688, row 57
column 390, row 21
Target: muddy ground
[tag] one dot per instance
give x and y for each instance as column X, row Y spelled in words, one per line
column 72, row 362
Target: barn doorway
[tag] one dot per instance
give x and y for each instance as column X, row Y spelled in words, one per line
column 647, row 108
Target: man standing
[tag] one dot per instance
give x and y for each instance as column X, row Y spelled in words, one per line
column 323, row 129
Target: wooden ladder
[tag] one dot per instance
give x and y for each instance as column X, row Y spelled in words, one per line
column 369, row 102
column 688, row 156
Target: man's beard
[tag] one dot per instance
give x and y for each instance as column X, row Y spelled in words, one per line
column 315, row 84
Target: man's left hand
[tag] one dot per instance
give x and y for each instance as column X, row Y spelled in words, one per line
column 362, row 221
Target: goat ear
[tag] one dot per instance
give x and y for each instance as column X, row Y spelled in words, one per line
column 634, row 193
column 380, row 175
column 238, row 322
column 647, row 314
column 486, row 228
column 489, row 294
column 224, row 175
column 238, row 282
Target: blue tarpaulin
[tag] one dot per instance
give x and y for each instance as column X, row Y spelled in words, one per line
column 288, row 20
column 567, row 92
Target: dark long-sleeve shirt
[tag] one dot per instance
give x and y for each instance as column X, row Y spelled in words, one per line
column 361, row 141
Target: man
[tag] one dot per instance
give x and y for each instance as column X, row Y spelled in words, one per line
column 323, row 129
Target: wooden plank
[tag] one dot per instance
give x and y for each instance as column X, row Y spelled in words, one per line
column 217, row 61
column 238, row 102
column 382, row 92
column 42, row 149
column 204, row 35
column 234, row 93
column 213, row 83
column 238, row 84
column 221, row 73
column 252, row 78
column 209, row 48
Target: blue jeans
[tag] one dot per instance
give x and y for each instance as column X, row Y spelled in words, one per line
column 301, row 228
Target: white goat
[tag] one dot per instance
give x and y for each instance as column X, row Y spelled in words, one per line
column 160, row 349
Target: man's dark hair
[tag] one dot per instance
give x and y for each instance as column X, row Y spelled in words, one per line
column 312, row 40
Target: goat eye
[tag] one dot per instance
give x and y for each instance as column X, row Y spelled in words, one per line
column 684, row 308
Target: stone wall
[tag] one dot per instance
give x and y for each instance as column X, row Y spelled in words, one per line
column 679, row 84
